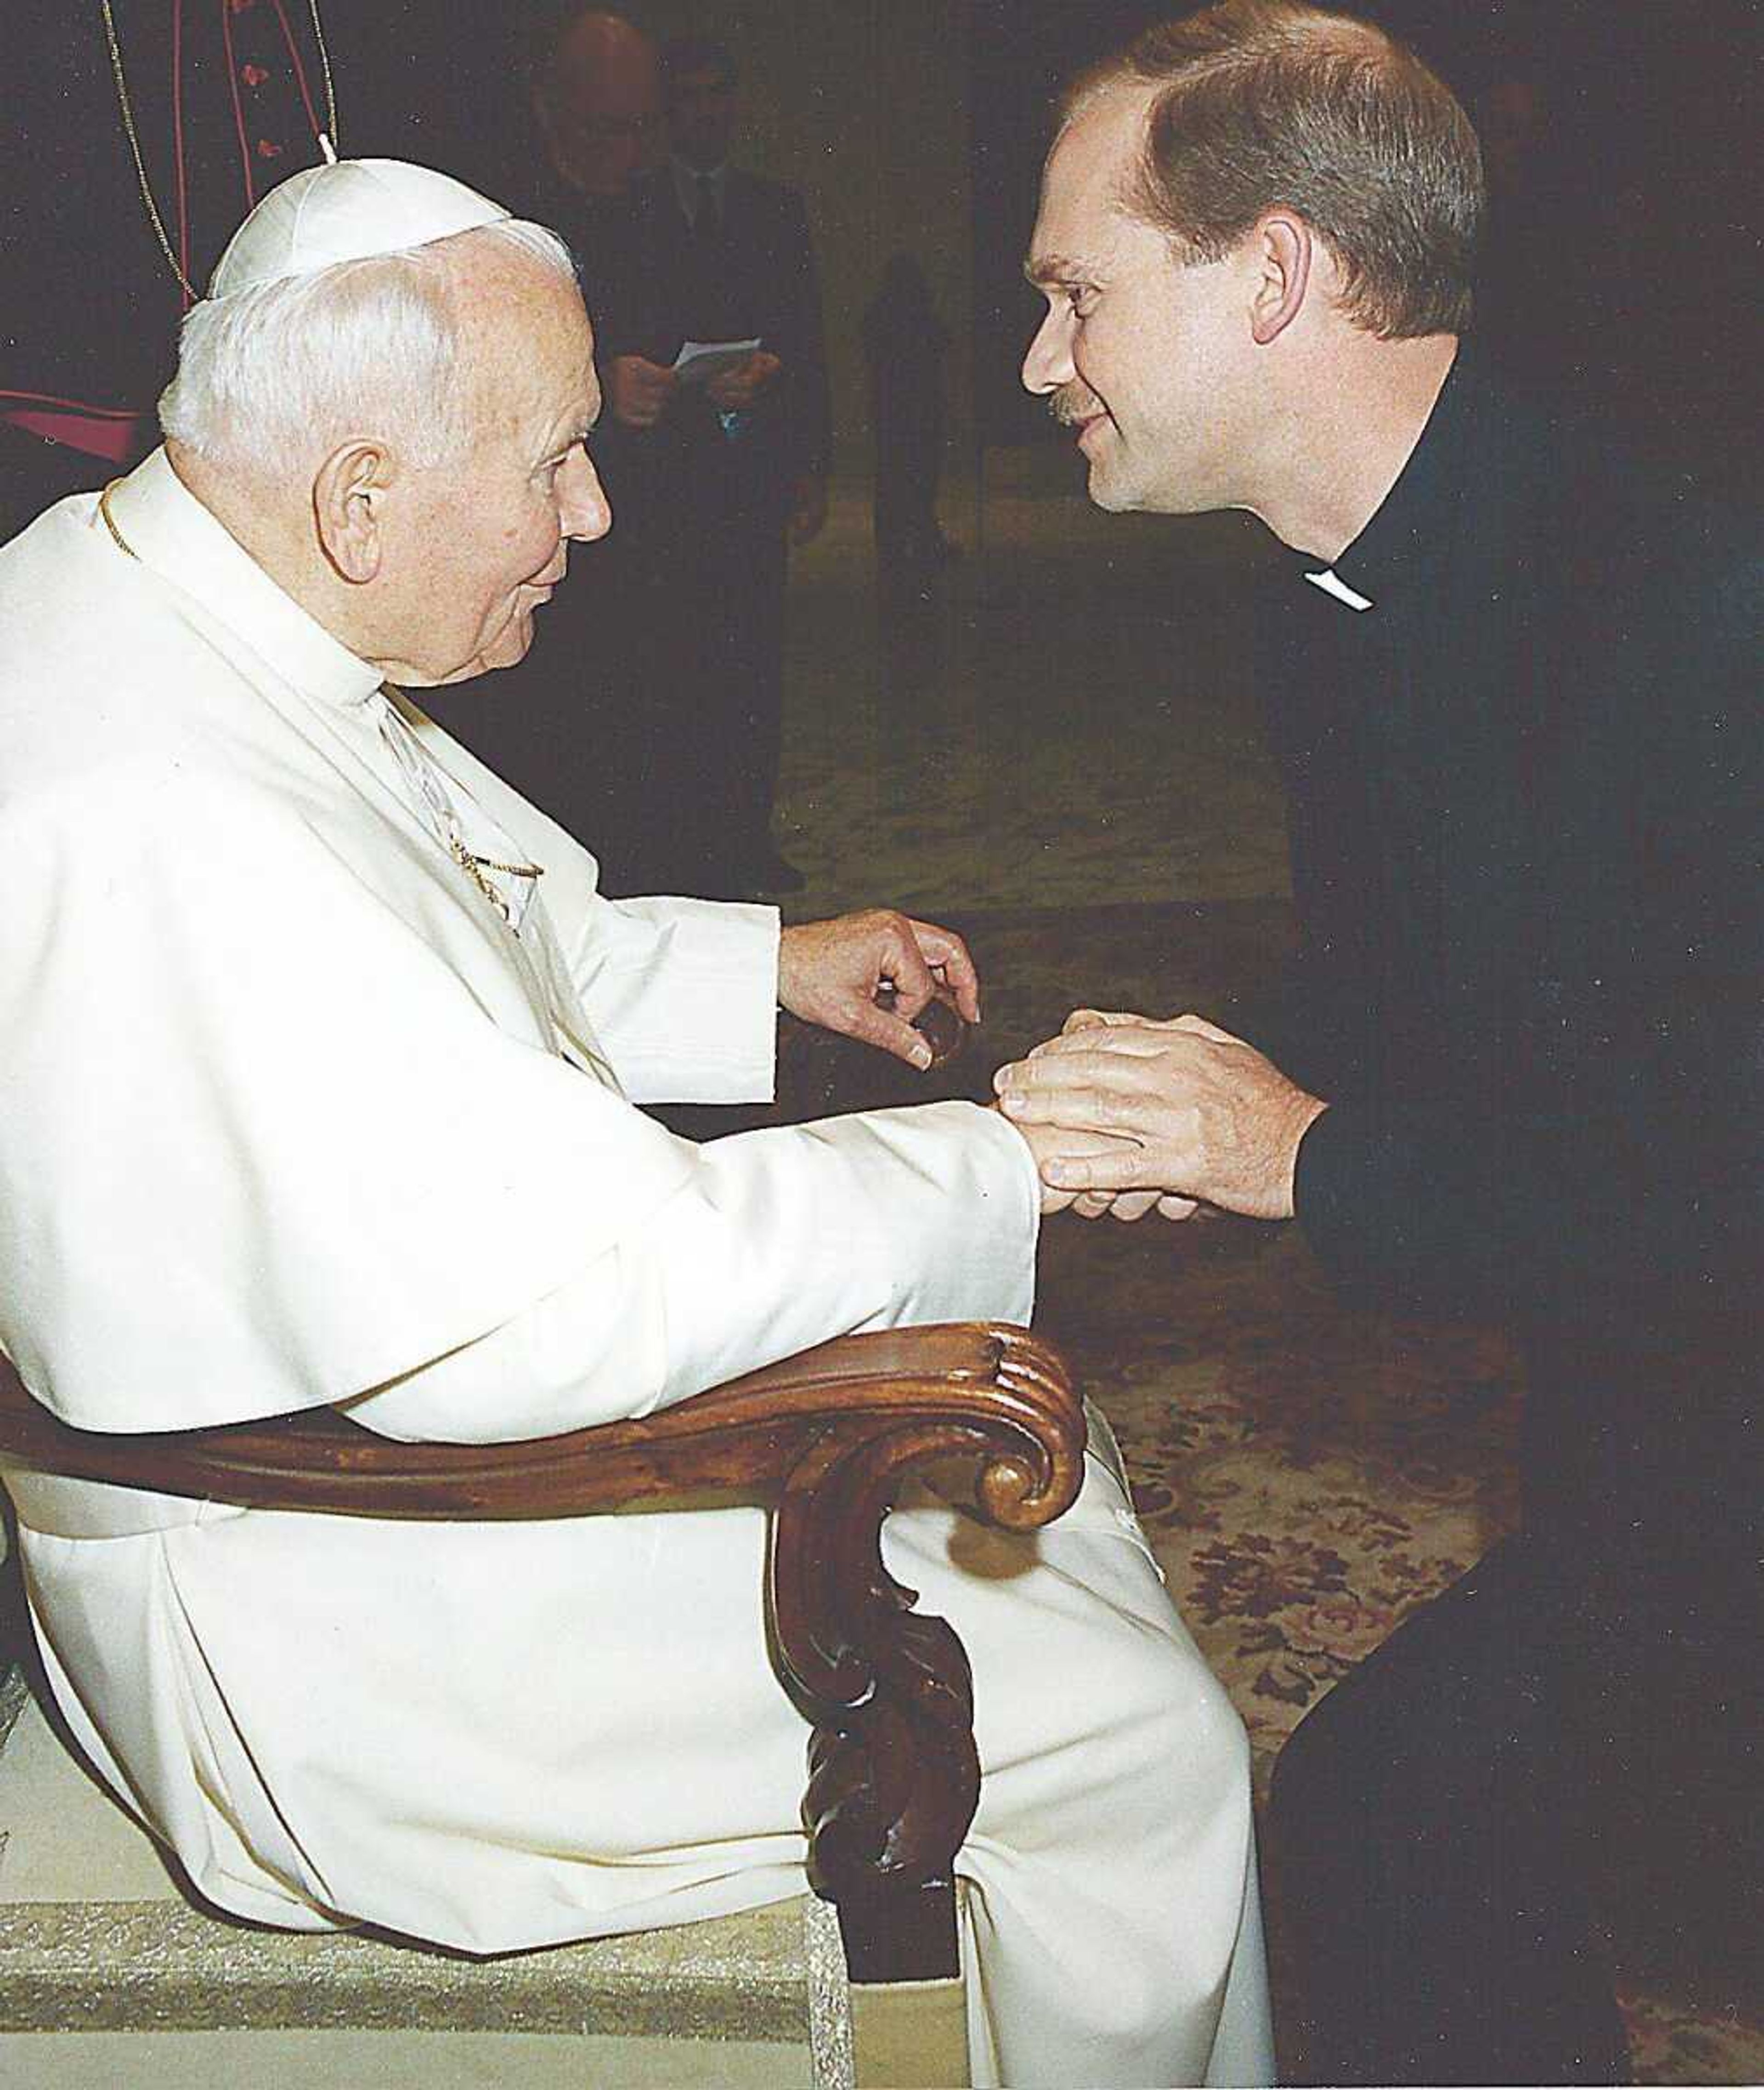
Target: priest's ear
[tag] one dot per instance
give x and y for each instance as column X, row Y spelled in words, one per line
column 349, row 499
column 1283, row 250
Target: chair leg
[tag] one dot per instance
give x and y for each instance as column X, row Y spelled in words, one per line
column 908, row 2010
column 901, row 1930
column 15, row 1614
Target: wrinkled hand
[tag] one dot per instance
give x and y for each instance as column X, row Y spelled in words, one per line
column 1210, row 1121
column 829, row 972
column 734, row 390
column 1044, row 1143
column 640, row 390
column 807, row 508
column 1127, row 1205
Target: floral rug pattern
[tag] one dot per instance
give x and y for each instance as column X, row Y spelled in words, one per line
column 1306, row 1475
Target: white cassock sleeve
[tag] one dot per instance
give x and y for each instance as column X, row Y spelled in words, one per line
column 779, row 1240
column 684, row 996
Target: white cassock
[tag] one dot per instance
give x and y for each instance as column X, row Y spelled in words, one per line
column 290, row 1114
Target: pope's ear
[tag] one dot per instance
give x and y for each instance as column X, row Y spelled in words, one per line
column 1283, row 251
column 348, row 498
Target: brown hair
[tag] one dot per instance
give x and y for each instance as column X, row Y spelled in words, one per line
column 1260, row 103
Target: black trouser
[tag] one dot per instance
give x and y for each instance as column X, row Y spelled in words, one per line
column 1546, row 1744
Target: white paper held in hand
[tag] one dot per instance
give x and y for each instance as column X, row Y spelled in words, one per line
column 699, row 361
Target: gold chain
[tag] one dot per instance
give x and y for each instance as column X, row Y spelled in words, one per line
column 124, row 104
column 514, row 870
column 118, row 538
column 475, row 867
column 469, row 862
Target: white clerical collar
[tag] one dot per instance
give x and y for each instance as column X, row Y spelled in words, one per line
column 169, row 532
column 1332, row 584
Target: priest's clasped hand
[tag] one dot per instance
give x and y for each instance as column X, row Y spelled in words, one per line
column 830, row 973
column 1204, row 1119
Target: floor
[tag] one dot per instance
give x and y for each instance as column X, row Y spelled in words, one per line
column 1043, row 730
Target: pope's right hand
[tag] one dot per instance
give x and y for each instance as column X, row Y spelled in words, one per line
column 640, row 390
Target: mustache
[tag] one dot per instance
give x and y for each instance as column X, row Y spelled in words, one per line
column 1071, row 405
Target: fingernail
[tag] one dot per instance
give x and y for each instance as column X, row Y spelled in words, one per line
column 1011, row 1104
column 1060, row 1173
column 921, row 1056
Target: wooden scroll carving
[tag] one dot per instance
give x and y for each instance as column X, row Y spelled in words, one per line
column 895, row 1776
column 830, row 1436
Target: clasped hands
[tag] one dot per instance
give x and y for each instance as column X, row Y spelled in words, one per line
column 867, row 976
column 1125, row 1112
column 1121, row 1112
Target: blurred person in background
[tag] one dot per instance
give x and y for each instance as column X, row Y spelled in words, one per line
column 718, row 477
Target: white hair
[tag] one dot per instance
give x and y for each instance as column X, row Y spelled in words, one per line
column 369, row 346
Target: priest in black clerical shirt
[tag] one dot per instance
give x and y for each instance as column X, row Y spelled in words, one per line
column 1524, row 785
column 1513, row 1070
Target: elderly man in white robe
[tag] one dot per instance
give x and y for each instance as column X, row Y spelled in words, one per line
column 319, row 1057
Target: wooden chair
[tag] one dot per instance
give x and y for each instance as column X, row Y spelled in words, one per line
column 827, row 1437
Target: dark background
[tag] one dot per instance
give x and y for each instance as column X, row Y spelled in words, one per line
column 922, row 123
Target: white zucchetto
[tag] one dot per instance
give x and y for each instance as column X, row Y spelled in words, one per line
column 347, row 212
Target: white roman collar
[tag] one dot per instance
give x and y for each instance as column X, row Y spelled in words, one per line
column 171, row 533
column 1332, row 584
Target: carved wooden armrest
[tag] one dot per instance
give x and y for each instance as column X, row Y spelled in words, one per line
column 830, row 1436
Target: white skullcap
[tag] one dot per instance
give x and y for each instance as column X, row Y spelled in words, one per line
column 346, row 212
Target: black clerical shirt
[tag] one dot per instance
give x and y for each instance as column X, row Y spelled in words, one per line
column 1525, row 798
